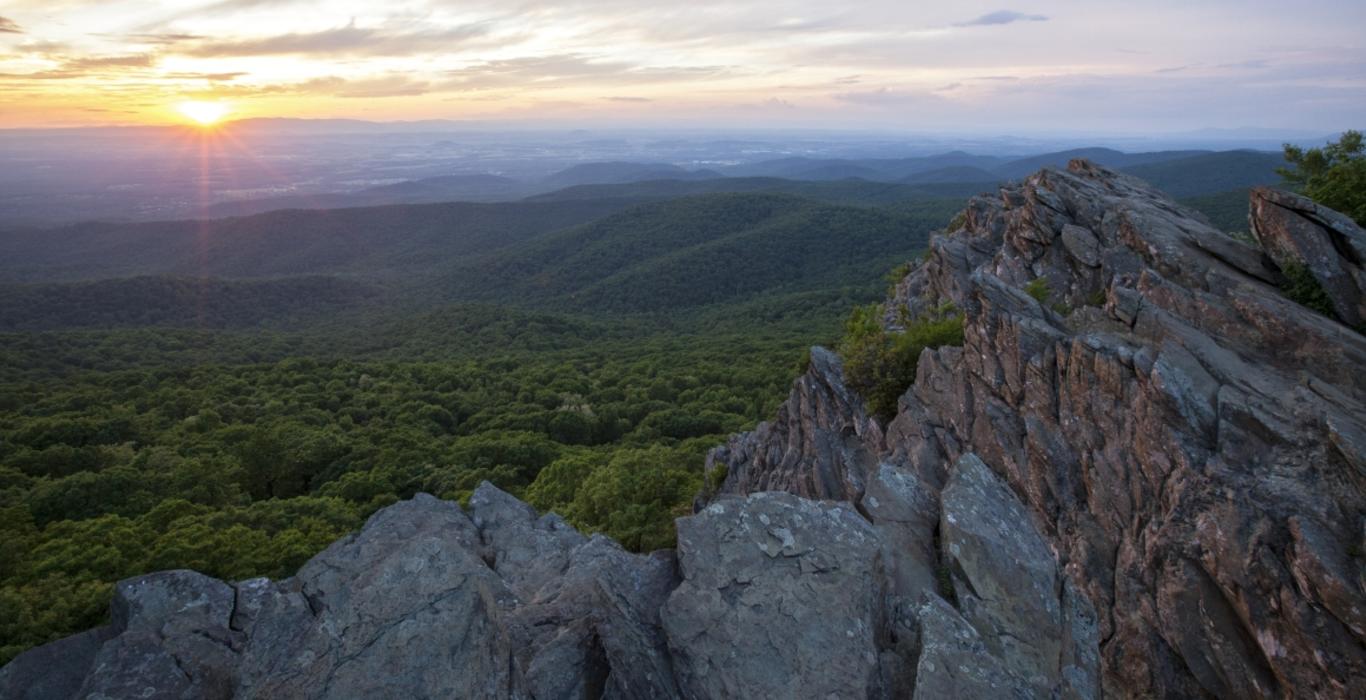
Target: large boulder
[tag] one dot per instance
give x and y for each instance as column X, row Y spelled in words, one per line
column 1296, row 232
column 781, row 597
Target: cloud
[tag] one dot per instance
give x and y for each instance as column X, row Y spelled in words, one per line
column 139, row 60
column 157, row 38
column 349, row 39
column 885, row 97
column 89, row 65
column 565, row 69
column 626, row 98
column 212, row 77
column 9, row 26
column 44, row 47
column 1001, row 17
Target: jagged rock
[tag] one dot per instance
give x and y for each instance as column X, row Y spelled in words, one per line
column 405, row 608
column 954, row 662
column 1189, row 442
column 780, row 598
column 816, row 445
column 769, row 595
column 30, row 676
column 1294, row 230
column 904, row 512
column 425, row 601
column 1003, row 572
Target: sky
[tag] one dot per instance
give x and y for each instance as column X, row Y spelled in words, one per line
column 1103, row 66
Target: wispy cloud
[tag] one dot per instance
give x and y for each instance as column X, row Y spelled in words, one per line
column 885, row 97
column 85, row 66
column 347, row 40
column 140, row 60
column 1001, row 17
column 530, row 72
column 9, row 26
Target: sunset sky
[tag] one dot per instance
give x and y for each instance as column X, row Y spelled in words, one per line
column 1158, row 65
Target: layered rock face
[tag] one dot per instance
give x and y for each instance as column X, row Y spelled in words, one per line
column 1190, row 444
column 769, row 595
column 1150, row 484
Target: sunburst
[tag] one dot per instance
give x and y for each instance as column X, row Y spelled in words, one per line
column 203, row 113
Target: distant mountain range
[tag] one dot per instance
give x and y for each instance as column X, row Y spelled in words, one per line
column 1181, row 173
column 613, row 237
column 585, row 255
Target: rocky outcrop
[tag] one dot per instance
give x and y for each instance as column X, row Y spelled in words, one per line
column 1188, row 444
column 816, row 447
column 1294, row 231
column 769, row 595
column 1149, row 483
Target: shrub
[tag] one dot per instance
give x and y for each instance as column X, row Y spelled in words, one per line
column 1304, row 289
column 1039, row 289
column 881, row 365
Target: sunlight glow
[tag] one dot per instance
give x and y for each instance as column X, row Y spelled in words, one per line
column 203, row 113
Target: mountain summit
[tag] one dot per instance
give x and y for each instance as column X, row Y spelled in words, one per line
column 1142, row 474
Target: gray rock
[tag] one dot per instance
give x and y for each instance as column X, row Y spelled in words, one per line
column 1082, row 244
column 405, row 608
column 817, row 445
column 779, row 598
column 903, row 511
column 954, row 661
column 1003, row 572
column 1191, row 451
column 54, row 671
column 1294, row 230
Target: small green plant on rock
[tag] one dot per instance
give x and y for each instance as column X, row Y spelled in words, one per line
column 881, row 365
column 1042, row 292
column 897, row 274
column 958, row 221
column 1039, row 289
column 1304, row 289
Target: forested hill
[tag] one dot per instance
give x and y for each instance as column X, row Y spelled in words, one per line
column 183, row 301
column 370, row 241
column 701, row 250
column 582, row 255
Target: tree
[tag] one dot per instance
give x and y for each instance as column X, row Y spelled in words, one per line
column 1334, row 175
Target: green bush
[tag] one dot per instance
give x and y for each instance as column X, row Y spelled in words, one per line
column 880, row 365
column 1304, row 289
column 1039, row 289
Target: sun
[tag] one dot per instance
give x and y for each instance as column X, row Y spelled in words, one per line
column 203, row 113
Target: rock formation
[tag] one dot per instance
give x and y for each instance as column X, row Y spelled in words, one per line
column 1294, row 231
column 1190, row 443
column 1151, row 483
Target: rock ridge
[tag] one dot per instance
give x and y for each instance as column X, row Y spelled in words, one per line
column 768, row 595
column 1189, row 442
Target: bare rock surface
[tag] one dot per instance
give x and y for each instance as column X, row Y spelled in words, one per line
column 1187, row 443
column 780, row 597
column 1293, row 230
